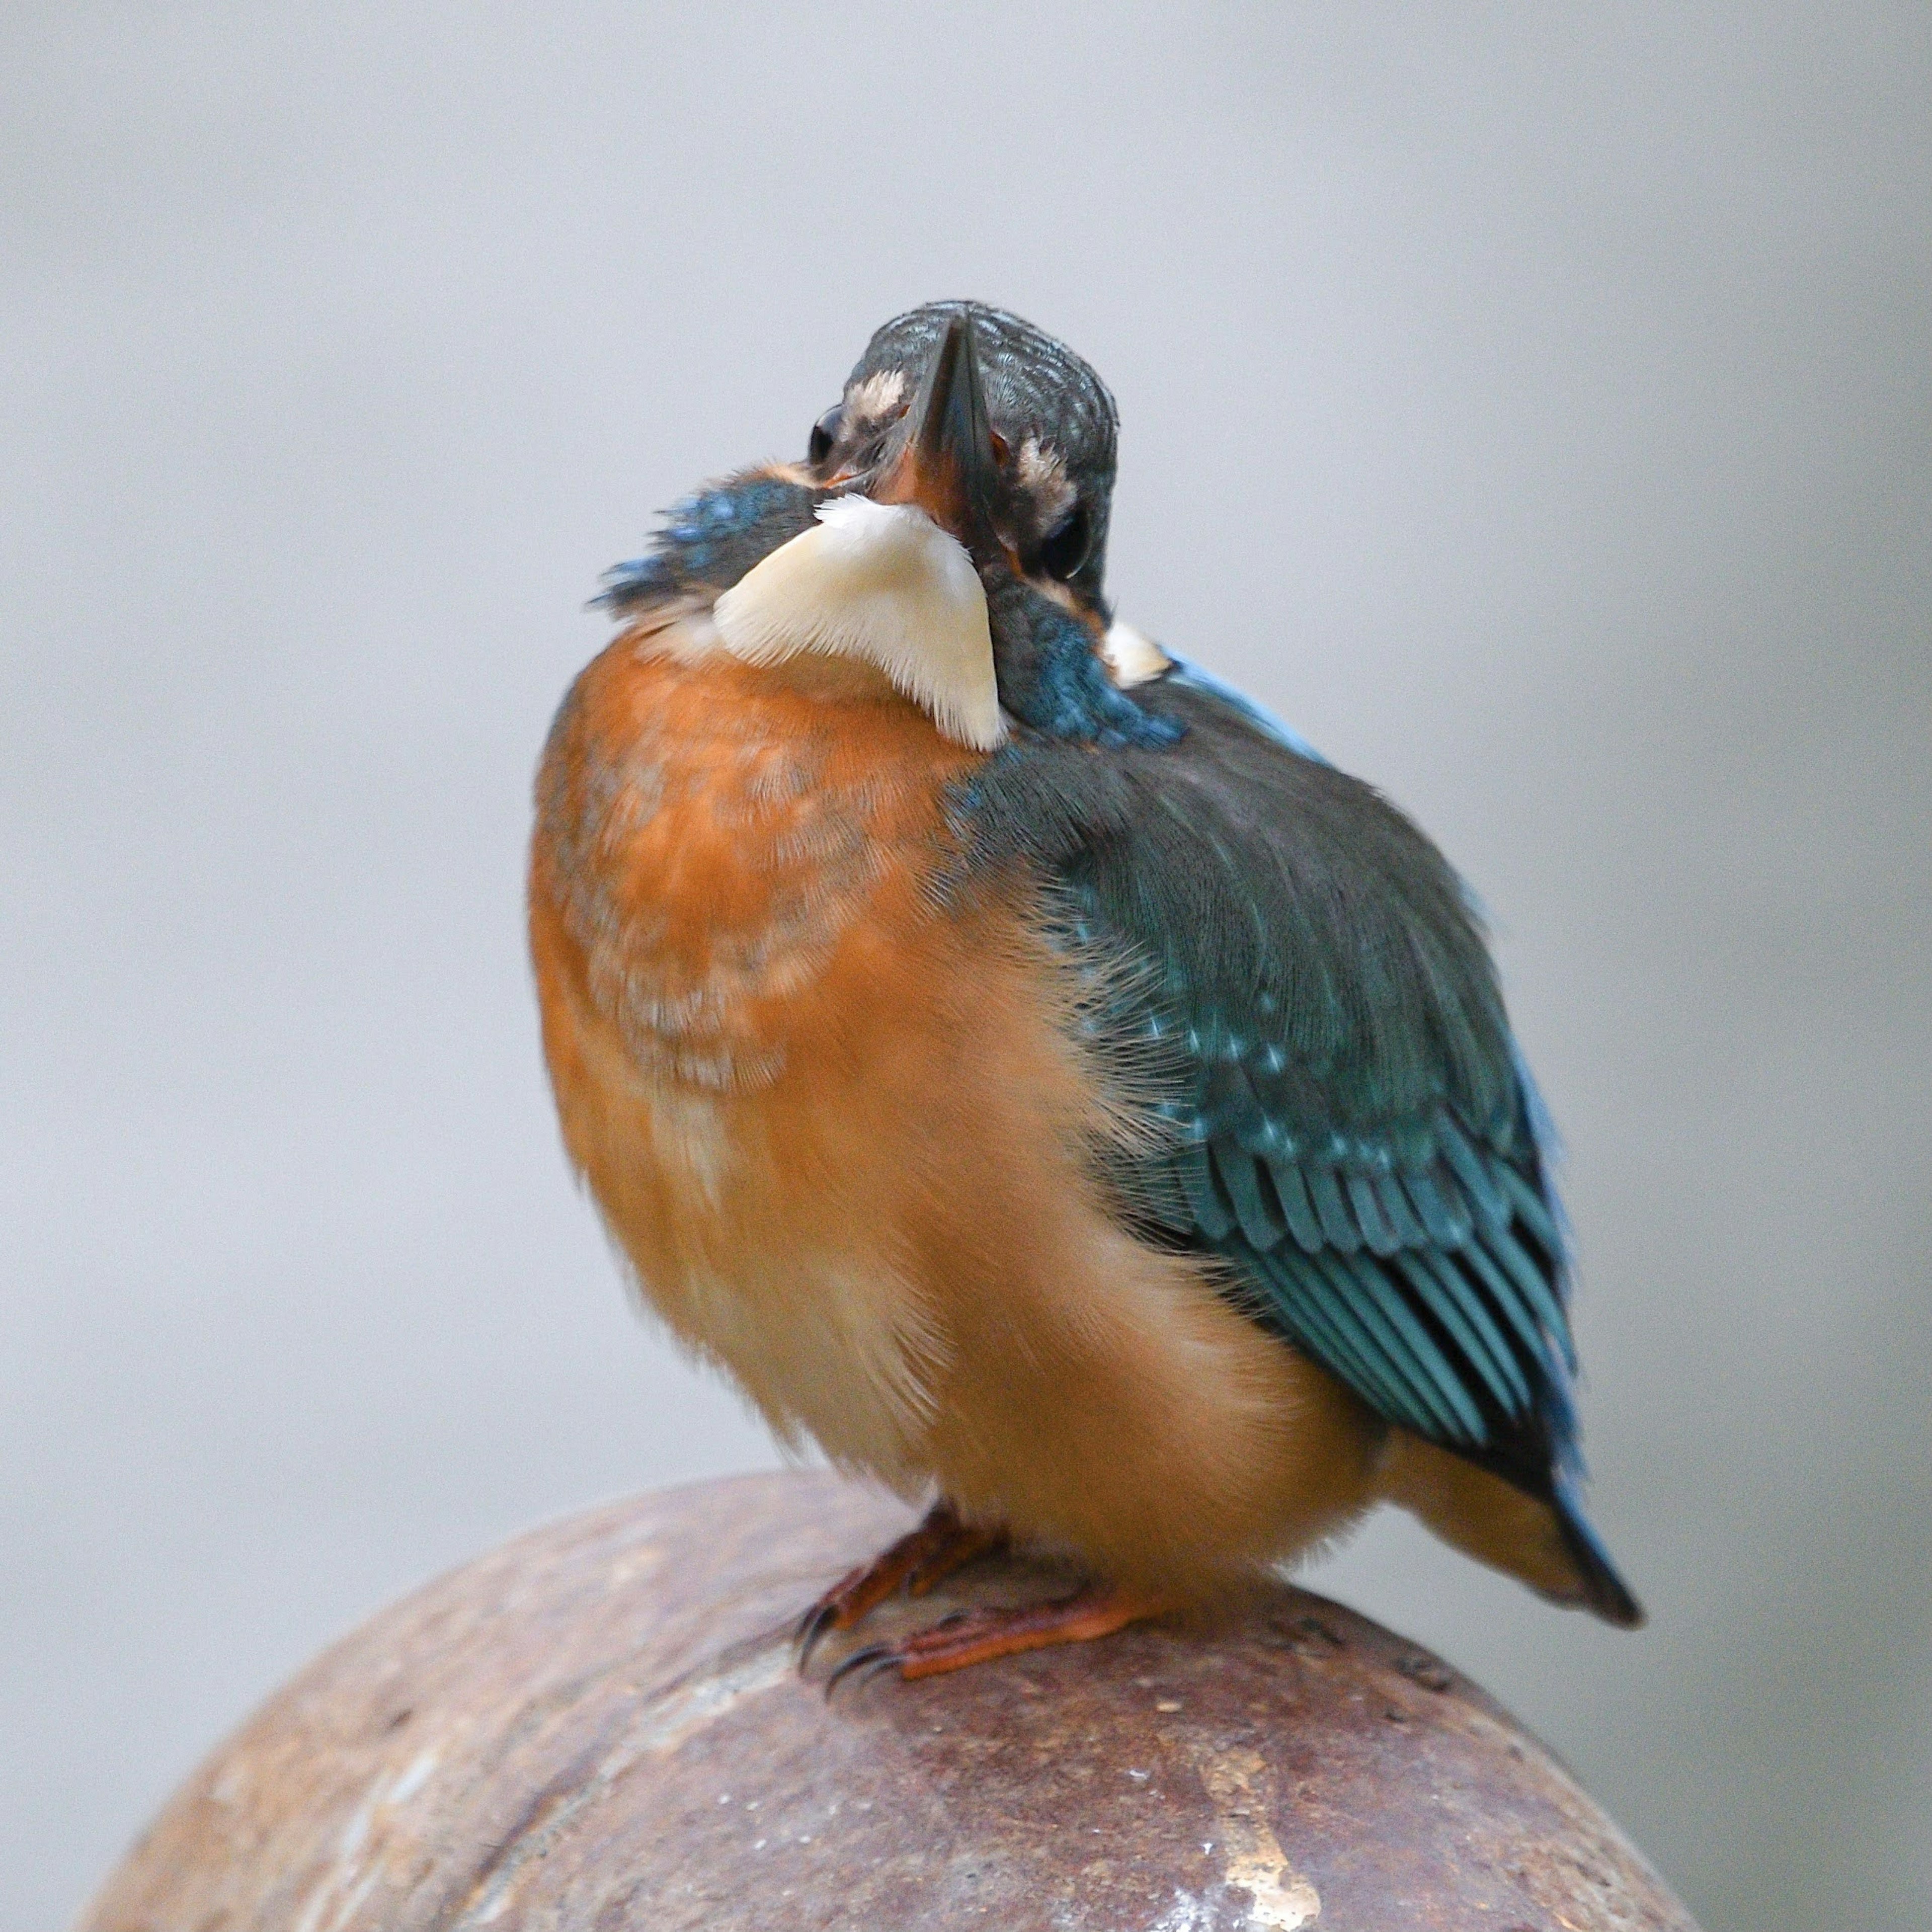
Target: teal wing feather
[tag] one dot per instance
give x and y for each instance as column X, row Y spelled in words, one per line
column 1352, row 1130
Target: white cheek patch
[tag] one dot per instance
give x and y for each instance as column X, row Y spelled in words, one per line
column 882, row 582
column 876, row 398
column 1042, row 475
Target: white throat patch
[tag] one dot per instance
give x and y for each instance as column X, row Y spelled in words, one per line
column 884, row 583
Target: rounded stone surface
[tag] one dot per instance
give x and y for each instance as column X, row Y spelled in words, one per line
column 600, row 1727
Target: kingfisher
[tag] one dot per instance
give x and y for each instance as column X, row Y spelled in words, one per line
column 1029, row 1071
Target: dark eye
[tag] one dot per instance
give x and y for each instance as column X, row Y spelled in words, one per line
column 825, row 434
column 1064, row 549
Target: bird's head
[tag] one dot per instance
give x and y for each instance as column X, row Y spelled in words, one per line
column 1003, row 435
column 948, row 528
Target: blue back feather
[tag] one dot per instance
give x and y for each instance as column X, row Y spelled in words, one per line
column 711, row 539
column 1302, row 973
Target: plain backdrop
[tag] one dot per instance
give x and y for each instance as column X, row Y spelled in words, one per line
column 1534, row 404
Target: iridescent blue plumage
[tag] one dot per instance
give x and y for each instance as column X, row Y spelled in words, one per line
column 1301, row 974
column 711, row 538
column 1052, row 678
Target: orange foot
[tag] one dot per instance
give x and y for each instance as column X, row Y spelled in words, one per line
column 977, row 1636
column 929, row 1554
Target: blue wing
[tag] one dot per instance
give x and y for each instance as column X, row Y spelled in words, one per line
column 1353, row 1131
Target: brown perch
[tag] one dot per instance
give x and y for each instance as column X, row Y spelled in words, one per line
column 600, row 1727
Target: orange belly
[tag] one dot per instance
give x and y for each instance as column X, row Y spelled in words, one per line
column 843, row 1133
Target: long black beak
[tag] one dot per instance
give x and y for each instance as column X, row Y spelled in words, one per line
column 949, row 463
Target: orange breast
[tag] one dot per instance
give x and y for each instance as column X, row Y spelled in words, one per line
column 751, row 1012
column 843, row 1134
column 734, row 859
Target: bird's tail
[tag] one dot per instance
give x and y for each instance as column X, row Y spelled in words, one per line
column 1604, row 1591
column 1547, row 1544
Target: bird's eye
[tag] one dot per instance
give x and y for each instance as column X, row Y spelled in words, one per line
column 1064, row 547
column 825, row 434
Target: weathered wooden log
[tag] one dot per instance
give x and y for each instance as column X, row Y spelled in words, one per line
column 600, row 1727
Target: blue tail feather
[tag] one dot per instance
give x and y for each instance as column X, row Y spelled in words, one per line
column 1604, row 1591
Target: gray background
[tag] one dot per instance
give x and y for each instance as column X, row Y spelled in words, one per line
column 1535, row 405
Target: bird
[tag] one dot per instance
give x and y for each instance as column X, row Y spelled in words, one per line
column 1032, row 1073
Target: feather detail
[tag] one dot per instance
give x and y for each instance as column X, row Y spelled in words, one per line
column 1531, row 1209
column 1212, row 1210
column 710, row 539
column 1428, row 1367
column 1447, row 1293
column 1503, row 1295
column 1375, row 1318
column 881, row 582
column 1534, row 1289
column 1469, row 1167
column 1408, row 1230
column 1443, row 1213
column 1292, row 1191
column 1313, row 1328
column 1335, row 1309
column 1336, row 1224
column 1132, row 656
column 1241, row 1179
column 1366, row 1201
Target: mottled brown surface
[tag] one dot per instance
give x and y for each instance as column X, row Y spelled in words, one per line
column 599, row 1727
